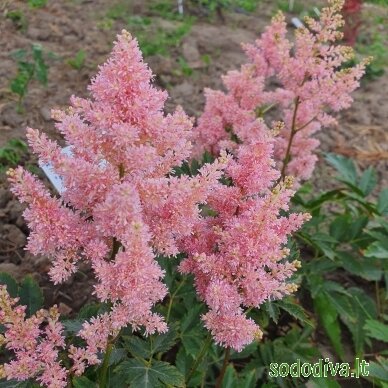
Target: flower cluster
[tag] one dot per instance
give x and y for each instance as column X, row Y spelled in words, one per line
column 35, row 341
column 237, row 257
column 299, row 81
column 122, row 205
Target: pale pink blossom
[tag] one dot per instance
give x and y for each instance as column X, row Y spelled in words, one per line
column 35, row 342
column 300, row 80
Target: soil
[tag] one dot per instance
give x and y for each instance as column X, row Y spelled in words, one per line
column 211, row 48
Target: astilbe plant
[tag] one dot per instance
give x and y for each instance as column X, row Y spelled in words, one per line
column 123, row 207
column 301, row 81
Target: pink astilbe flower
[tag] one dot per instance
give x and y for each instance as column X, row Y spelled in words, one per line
column 35, row 342
column 122, row 205
column 300, row 80
column 238, row 257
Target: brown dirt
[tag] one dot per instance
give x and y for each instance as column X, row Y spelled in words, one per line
column 65, row 27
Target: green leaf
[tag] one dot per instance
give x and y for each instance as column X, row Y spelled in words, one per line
column 137, row 346
column 191, row 319
column 245, row 353
column 325, row 243
column 339, row 228
column 354, row 310
column 192, row 341
column 37, row 3
column 368, row 181
column 295, row 310
column 376, row 330
column 89, row 310
column 366, row 268
column 73, row 325
column 323, row 382
column 40, row 66
column 10, row 282
column 328, row 316
column 249, row 380
column 273, row 311
column 117, row 355
column 379, row 370
column 78, row 61
column 83, row 382
column 230, row 378
column 377, row 249
column 382, row 203
column 164, row 342
column 15, row 384
column 344, row 166
column 30, row 295
column 140, row 374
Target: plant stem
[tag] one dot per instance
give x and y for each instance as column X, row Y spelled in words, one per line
column 172, row 299
column 105, row 365
column 199, row 358
column 287, row 157
column 223, row 370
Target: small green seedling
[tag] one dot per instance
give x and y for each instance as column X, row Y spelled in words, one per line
column 18, row 18
column 185, row 67
column 27, row 71
column 37, row 3
column 11, row 154
column 78, row 61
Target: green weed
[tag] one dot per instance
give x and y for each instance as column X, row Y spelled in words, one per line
column 12, row 153
column 37, row 3
column 78, row 61
column 31, row 65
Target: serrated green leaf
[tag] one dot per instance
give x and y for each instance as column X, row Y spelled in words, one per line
column 382, row 203
column 30, row 295
column 249, row 380
column 378, row 249
column 295, row 310
column 230, row 378
column 73, row 325
column 273, row 311
column 344, row 166
column 117, row 355
column 191, row 318
column 376, row 329
column 325, row 243
column 137, row 346
column 192, row 341
column 364, row 267
column 378, row 370
column 164, row 342
column 368, row 181
column 10, row 282
column 328, row 316
column 245, row 353
column 140, row 374
column 339, row 228
column 354, row 310
column 89, row 310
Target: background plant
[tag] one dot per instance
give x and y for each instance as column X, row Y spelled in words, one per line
column 31, row 65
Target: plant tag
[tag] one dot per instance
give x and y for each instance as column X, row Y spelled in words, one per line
column 297, row 23
column 53, row 177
